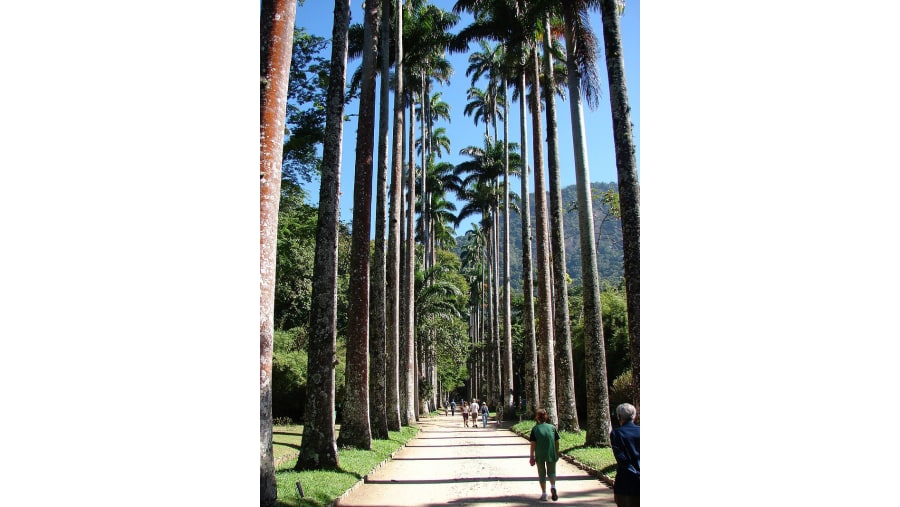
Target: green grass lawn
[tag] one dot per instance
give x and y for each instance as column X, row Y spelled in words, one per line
column 321, row 487
column 572, row 444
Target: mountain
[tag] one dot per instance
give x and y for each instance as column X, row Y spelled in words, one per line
column 608, row 234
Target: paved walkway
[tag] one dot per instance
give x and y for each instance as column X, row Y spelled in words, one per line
column 448, row 463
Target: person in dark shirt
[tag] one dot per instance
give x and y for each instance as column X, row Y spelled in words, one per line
column 545, row 452
column 626, row 445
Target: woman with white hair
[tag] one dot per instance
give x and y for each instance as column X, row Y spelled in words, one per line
column 626, row 445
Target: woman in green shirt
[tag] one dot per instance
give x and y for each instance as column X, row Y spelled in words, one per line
column 545, row 452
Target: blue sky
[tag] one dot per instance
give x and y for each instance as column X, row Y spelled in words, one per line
column 317, row 16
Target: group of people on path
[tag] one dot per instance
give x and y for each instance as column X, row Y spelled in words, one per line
column 472, row 410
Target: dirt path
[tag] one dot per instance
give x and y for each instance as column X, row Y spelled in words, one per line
column 449, row 464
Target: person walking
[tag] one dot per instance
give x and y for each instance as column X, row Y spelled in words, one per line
column 626, row 446
column 484, row 415
column 545, row 452
column 465, row 413
column 473, row 410
column 452, row 408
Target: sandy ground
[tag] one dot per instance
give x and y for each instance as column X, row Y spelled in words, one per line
column 448, row 463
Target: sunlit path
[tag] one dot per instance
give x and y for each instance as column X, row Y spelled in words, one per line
column 448, row 463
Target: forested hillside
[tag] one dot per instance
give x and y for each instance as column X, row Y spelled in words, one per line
column 607, row 232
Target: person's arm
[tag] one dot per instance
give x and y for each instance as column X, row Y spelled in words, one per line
column 617, row 448
column 556, row 438
column 531, row 459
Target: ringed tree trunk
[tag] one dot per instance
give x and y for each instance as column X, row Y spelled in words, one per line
column 276, row 44
column 378, row 324
column 565, row 372
column 629, row 187
column 545, row 316
column 393, row 254
column 355, row 427
column 598, row 424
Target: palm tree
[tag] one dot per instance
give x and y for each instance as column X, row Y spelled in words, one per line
column 355, row 428
column 392, row 262
column 581, row 44
column 276, row 40
column 492, row 61
column 629, row 188
column 546, row 368
column 318, row 449
column 565, row 371
column 377, row 325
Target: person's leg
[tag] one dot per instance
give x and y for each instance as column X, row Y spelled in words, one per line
column 551, row 474
column 542, row 477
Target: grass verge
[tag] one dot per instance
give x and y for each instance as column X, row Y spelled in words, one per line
column 322, row 487
column 571, row 444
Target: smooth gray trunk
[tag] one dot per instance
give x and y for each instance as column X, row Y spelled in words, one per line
column 598, row 424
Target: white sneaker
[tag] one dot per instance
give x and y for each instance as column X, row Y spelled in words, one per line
column 543, row 497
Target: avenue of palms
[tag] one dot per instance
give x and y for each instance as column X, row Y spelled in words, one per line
column 429, row 311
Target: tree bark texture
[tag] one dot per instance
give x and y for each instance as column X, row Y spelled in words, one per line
column 355, row 424
column 565, row 371
column 276, row 44
column 318, row 449
column 629, row 187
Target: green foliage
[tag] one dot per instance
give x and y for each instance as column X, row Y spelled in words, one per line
column 289, row 363
column 615, row 332
column 305, row 119
column 622, row 391
column 294, row 257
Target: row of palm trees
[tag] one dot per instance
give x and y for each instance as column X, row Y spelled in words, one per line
column 387, row 354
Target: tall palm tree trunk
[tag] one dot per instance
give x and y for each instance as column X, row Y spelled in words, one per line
column 276, row 42
column 393, row 254
column 629, row 188
column 598, row 424
column 565, row 371
column 547, row 369
column 318, row 448
column 378, row 324
column 355, row 425
column 412, row 384
column 532, row 384
column 509, row 394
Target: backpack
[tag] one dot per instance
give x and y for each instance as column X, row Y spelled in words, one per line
column 484, row 409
